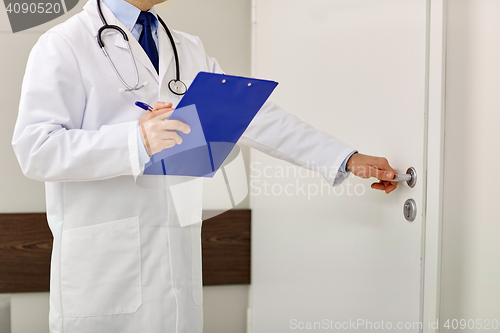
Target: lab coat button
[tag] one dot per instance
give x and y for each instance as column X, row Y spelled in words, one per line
column 178, row 284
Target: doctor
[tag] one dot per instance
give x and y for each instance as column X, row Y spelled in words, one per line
column 121, row 261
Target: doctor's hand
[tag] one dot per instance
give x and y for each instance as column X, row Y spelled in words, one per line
column 366, row 166
column 157, row 131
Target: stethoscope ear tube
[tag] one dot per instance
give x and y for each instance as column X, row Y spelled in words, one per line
column 176, row 86
column 113, row 27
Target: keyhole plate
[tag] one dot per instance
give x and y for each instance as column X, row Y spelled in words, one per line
column 410, row 210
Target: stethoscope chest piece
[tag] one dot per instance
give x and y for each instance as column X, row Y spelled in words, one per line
column 177, row 87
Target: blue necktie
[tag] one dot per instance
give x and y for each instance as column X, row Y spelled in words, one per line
column 146, row 40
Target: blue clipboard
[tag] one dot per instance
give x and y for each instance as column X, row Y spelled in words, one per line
column 218, row 108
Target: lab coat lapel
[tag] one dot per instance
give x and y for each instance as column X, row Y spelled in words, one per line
column 135, row 47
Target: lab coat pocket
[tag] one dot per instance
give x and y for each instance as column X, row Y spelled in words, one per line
column 196, row 272
column 101, row 269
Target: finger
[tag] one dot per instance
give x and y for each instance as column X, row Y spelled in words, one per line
column 162, row 105
column 159, row 115
column 378, row 186
column 176, row 125
column 162, row 114
column 170, row 135
column 385, row 186
column 168, row 144
column 160, row 109
column 161, row 145
column 381, row 174
column 391, row 187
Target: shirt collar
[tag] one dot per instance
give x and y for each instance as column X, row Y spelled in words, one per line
column 127, row 13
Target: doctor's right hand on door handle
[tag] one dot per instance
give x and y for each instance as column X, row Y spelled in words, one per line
column 157, row 132
column 366, row 166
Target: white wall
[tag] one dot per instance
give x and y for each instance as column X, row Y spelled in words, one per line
column 471, row 250
column 4, row 314
column 224, row 27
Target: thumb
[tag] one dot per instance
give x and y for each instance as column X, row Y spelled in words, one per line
column 384, row 174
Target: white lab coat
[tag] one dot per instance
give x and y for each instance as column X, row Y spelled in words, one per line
column 121, row 262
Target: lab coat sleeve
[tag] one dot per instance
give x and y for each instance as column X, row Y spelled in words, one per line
column 143, row 154
column 281, row 134
column 48, row 141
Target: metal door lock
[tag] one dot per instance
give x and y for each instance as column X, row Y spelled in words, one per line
column 410, row 177
column 410, row 210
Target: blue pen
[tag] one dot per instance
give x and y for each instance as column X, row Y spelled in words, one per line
column 144, row 106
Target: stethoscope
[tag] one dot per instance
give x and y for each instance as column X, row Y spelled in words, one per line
column 176, row 85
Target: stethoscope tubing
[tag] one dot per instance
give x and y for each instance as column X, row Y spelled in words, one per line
column 125, row 37
column 176, row 55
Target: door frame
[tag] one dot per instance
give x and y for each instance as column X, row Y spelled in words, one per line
column 435, row 118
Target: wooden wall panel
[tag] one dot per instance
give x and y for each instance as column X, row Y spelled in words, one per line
column 25, row 248
column 226, row 248
column 26, row 245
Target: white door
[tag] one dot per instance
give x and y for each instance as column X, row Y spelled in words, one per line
column 343, row 258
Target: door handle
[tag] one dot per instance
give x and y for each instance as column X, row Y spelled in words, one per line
column 410, row 177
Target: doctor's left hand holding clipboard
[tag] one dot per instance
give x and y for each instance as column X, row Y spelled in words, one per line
column 158, row 134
